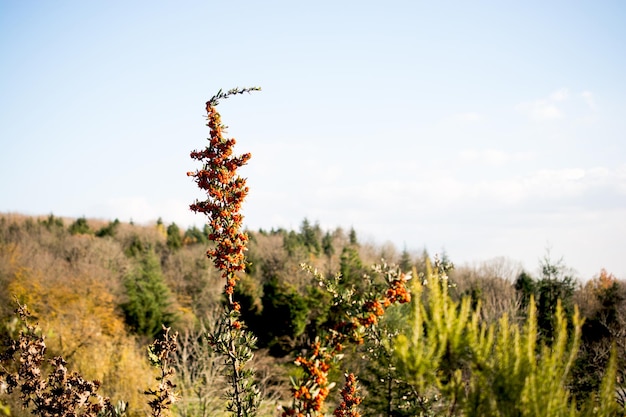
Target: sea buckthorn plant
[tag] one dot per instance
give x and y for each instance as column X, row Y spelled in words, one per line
column 160, row 354
column 47, row 389
column 350, row 399
column 358, row 313
column 225, row 191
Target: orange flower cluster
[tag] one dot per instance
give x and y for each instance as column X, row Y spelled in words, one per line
column 225, row 194
column 350, row 399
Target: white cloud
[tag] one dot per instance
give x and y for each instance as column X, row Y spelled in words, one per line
column 552, row 107
column 431, row 193
column 469, row 117
column 545, row 108
column 588, row 97
column 331, row 173
column 620, row 176
column 540, row 110
column 493, row 157
column 559, row 175
column 554, row 187
column 559, row 95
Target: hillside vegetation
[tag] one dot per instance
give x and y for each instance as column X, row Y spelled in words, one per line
column 100, row 292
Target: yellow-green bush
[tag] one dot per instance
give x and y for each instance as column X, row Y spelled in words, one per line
column 501, row 369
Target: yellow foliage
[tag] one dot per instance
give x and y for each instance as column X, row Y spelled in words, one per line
column 160, row 228
column 81, row 323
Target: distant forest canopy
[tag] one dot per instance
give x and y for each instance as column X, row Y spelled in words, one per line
column 101, row 290
column 313, row 235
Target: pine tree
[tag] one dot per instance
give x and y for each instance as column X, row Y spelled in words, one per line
column 148, row 306
column 174, row 239
column 284, row 313
column 351, row 267
column 80, row 227
column 310, row 237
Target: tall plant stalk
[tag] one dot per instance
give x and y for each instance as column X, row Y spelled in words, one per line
column 225, row 191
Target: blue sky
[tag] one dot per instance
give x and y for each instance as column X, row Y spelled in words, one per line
column 484, row 129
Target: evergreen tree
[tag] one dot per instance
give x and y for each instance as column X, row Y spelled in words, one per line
column 327, row 245
column 526, row 288
column 108, row 230
column 291, row 242
column 352, row 237
column 406, row 263
column 310, row 237
column 194, row 235
column 329, row 250
column 284, row 315
column 80, row 227
column 148, row 305
column 555, row 284
column 51, row 222
column 135, row 246
column 351, row 266
column 174, row 239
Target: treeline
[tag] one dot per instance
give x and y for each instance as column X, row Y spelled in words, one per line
column 102, row 291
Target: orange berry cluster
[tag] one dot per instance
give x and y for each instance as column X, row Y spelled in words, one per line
column 350, row 399
column 398, row 291
column 372, row 310
column 225, row 193
column 317, row 365
column 311, row 401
